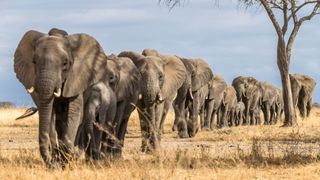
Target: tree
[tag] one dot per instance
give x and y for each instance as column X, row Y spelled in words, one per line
column 289, row 13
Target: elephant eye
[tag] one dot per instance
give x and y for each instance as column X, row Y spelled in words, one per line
column 34, row 61
column 65, row 62
column 161, row 76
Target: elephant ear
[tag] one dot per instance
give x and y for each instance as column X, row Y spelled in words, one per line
column 136, row 58
column 175, row 75
column 89, row 64
column 203, row 74
column 129, row 79
column 216, row 86
column 23, row 57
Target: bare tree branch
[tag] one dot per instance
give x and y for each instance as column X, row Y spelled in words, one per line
column 285, row 17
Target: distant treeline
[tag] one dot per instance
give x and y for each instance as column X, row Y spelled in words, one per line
column 7, row 104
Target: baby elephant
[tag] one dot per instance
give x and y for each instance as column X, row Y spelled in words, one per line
column 99, row 113
column 239, row 113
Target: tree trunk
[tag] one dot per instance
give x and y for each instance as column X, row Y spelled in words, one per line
column 283, row 65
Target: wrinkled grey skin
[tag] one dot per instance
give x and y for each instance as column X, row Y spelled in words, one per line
column 217, row 88
column 268, row 102
column 49, row 66
column 227, row 108
column 302, row 87
column 160, row 80
column 200, row 78
column 249, row 92
column 239, row 110
column 101, row 106
column 125, row 79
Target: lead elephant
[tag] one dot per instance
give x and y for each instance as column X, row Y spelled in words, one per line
column 56, row 68
column 302, row 87
column 125, row 79
column 160, row 80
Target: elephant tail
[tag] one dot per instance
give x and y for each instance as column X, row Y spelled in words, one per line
column 29, row 112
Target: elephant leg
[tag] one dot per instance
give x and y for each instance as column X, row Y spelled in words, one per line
column 223, row 120
column 241, row 118
column 69, row 132
column 248, row 105
column 266, row 111
column 164, row 115
column 213, row 122
column 309, row 107
column 202, row 111
column 304, row 108
column 209, row 114
column 182, row 124
column 113, row 144
column 159, row 108
column 54, row 138
column 89, row 129
column 273, row 114
column 176, row 116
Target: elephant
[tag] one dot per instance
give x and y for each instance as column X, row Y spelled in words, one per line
column 249, row 92
column 160, row 80
column 302, row 87
column 124, row 78
column 268, row 102
column 56, row 68
column 101, row 105
column 201, row 74
column 227, row 107
column 217, row 88
column 239, row 110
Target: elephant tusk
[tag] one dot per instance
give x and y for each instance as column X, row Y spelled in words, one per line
column 140, row 96
column 159, row 98
column 175, row 96
column 190, row 93
column 30, row 90
column 58, row 93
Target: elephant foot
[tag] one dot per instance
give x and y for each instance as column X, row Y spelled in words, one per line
column 183, row 135
column 174, row 128
column 205, row 128
column 221, row 126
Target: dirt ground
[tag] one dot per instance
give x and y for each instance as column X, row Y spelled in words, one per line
column 248, row 152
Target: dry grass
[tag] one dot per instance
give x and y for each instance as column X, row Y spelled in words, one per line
column 261, row 152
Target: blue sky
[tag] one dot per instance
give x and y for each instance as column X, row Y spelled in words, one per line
column 232, row 40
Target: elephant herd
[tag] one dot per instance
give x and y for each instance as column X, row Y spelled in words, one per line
column 85, row 97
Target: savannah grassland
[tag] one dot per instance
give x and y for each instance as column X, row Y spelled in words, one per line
column 248, row 152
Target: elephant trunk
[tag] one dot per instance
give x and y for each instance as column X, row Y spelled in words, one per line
column 45, row 89
column 151, row 92
column 45, row 112
column 153, row 142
